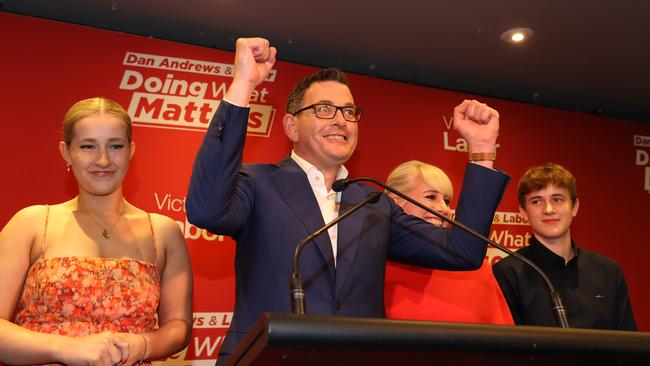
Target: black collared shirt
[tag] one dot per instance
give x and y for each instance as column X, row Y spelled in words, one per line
column 591, row 286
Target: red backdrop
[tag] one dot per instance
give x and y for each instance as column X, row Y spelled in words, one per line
column 172, row 89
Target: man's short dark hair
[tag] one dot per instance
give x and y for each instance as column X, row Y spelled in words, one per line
column 296, row 96
column 540, row 177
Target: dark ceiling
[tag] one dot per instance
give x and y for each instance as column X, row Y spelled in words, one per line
column 590, row 56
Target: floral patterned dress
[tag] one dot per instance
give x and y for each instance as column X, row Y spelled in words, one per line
column 78, row 296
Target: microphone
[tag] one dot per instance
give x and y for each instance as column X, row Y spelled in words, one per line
column 556, row 302
column 296, row 284
column 340, row 184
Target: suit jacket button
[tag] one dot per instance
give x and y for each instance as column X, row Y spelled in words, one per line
column 220, row 133
column 337, row 305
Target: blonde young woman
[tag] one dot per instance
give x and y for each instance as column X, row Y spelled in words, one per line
column 424, row 294
column 94, row 280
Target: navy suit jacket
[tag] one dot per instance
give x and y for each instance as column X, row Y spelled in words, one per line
column 269, row 208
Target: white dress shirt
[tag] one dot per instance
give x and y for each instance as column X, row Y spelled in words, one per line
column 328, row 200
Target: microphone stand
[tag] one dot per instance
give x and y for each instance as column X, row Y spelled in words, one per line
column 556, row 302
column 296, row 284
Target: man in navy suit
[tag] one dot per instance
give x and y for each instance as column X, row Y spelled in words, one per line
column 269, row 208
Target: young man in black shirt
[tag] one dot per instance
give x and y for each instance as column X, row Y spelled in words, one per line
column 592, row 286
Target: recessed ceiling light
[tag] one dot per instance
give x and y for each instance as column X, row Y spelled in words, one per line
column 516, row 35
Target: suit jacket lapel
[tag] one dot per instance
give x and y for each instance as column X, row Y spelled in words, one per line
column 349, row 231
column 292, row 183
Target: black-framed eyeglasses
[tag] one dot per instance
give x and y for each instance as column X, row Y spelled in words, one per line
column 328, row 111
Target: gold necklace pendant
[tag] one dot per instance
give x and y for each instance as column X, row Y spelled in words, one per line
column 106, row 233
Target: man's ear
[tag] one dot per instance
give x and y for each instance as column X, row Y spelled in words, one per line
column 522, row 211
column 289, row 122
column 574, row 210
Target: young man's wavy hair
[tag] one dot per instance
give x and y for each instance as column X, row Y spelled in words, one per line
column 541, row 176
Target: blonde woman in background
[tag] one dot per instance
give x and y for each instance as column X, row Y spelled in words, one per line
column 93, row 280
column 424, row 294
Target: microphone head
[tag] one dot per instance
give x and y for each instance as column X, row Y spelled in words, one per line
column 339, row 185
